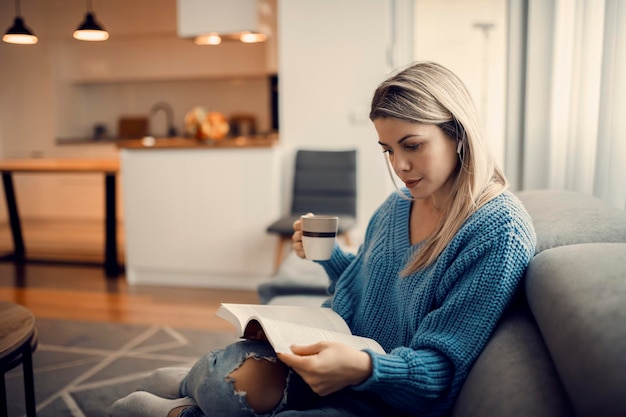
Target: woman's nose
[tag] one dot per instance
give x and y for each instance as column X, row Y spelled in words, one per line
column 401, row 164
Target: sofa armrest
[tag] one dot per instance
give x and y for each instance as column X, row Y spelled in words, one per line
column 577, row 294
column 514, row 375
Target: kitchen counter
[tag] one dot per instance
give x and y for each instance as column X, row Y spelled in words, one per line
column 186, row 143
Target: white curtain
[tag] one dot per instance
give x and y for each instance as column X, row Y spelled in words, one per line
column 566, row 119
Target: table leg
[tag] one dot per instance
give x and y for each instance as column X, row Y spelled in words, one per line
column 111, row 265
column 3, row 398
column 14, row 218
column 29, row 381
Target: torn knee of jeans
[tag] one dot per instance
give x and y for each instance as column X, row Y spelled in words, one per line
column 255, row 355
column 260, row 381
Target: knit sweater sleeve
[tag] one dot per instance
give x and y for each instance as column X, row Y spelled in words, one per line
column 339, row 261
column 473, row 281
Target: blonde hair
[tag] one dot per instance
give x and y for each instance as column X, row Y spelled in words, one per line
column 428, row 93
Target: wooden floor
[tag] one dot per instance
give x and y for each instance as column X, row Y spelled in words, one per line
column 84, row 293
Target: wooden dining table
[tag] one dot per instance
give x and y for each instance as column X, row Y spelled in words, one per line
column 108, row 167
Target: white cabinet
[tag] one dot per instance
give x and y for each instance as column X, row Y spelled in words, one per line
column 199, row 17
column 197, row 217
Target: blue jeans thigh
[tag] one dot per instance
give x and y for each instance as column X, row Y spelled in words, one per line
column 208, row 383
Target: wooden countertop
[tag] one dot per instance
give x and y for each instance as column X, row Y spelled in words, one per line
column 59, row 165
column 179, row 142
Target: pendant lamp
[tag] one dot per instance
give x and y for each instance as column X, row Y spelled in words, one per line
column 19, row 33
column 90, row 29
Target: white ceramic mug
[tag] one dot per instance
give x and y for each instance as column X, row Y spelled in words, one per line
column 318, row 236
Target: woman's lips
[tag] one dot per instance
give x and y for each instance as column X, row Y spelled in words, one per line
column 411, row 183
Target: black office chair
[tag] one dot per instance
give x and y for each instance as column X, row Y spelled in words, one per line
column 324, row 183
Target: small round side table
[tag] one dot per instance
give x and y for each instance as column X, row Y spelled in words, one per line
column 18, row 341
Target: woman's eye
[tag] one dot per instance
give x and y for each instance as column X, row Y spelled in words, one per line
column 413, row 147
column 387, row 151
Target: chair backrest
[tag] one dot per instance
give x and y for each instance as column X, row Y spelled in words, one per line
column 325, row 182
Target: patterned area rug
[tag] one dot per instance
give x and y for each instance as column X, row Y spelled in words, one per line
column 81, row 368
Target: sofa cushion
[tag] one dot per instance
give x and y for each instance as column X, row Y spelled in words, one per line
column 567, row 218
column 577, row 294
column 514, row 375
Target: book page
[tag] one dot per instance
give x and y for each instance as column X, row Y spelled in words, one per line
column 318, row 317
column 288, row 325
column 284, row 334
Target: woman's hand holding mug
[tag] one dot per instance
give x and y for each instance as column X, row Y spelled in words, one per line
column 297, row 237
column 314, row 236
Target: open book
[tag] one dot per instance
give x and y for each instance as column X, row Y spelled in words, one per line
column 290, row 325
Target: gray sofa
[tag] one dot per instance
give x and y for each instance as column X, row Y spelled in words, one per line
column 560, row 349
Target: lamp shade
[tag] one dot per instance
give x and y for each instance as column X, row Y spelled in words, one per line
column 91, row 30
column 19, row 33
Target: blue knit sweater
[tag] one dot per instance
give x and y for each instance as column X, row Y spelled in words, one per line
column 434, row 323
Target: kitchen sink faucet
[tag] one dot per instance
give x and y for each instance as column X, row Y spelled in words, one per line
column 169, row 114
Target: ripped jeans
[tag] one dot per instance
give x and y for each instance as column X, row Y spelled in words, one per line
column 208, row 388
column 209, row 385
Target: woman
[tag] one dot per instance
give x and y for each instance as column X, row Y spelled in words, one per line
column 440, row 261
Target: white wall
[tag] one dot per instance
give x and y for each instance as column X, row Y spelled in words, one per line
column 332, row 55
column 445, row 32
